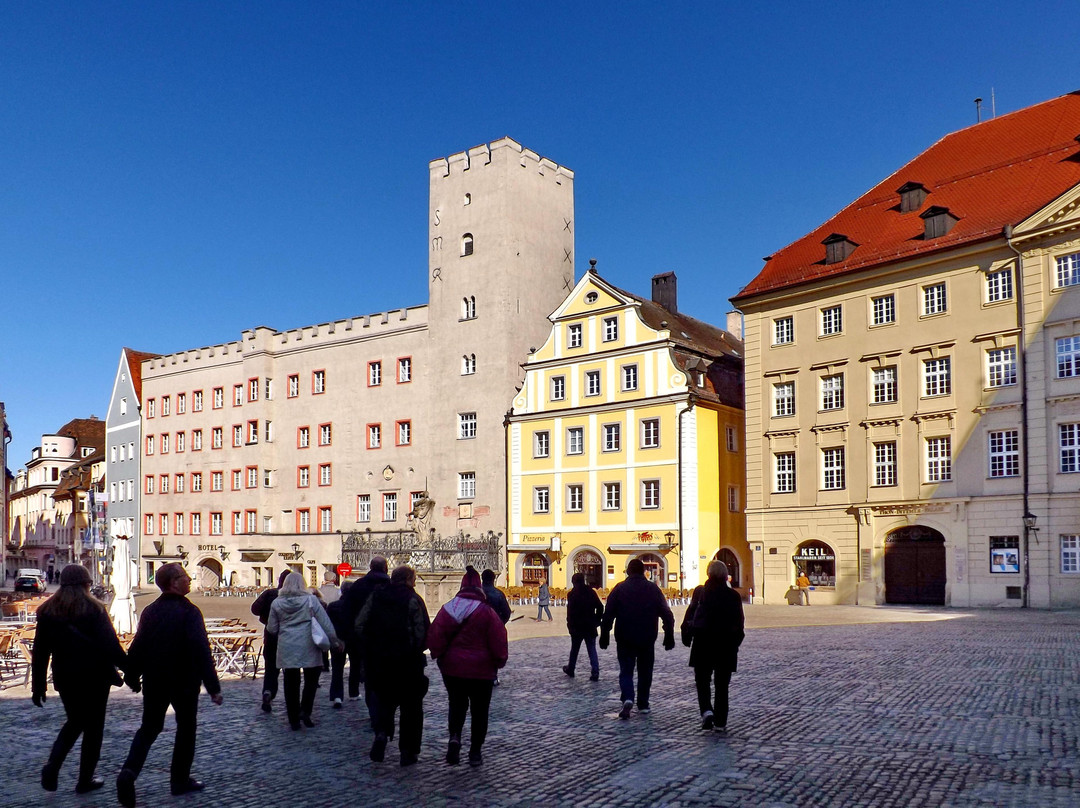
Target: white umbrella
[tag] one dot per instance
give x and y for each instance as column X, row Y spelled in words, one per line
column 122, row 610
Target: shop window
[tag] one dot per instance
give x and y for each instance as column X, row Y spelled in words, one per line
column 591, row 565
column 534, row 569
column 818, row 561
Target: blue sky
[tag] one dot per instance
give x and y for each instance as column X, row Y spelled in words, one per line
column 171, row 174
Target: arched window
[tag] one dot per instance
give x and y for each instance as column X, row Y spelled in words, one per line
column 468, row 364
column 468, row 308
column 534, row 569
column 655, row 569
column 591, row 565
column 467, row 244
column 818, row 561
column 468, row 199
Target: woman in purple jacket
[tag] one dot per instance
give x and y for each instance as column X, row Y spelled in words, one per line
column 468, row 640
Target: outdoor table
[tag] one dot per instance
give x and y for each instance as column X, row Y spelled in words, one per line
column 231, row 650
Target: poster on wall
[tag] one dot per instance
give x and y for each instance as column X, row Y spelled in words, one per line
column 1005, row 554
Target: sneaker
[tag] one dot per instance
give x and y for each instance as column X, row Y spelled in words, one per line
column 644, row 709
column 721, row 728
column 378, row 749
column 624, row 713
column 86, row 786
column 568, row 671
column 453, row 752
column 337, row 704
column 707, row 720
column 125, row 788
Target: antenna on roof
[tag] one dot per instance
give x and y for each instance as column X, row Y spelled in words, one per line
column 978, row 110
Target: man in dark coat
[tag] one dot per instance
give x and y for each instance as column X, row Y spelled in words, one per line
column 634, row 606
column 395, row 621
column 713, row 628
column 171, row 655
column 261, row 609
column 353, row 601
column 495, row 598
column 584, row 612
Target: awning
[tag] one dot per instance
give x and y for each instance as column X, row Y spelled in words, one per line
column 639, row 546
column 255, row 556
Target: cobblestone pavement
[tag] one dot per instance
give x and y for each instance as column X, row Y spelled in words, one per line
column 979, row 710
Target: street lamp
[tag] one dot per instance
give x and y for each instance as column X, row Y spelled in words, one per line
column 669, row 537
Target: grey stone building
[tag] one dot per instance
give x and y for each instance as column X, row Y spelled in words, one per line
column 262, row 453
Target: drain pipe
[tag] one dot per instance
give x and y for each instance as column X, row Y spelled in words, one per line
column 1021, row 356
column 691, row 400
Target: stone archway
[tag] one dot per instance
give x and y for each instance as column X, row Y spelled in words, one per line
column 915, row 566
column 590, row 564
column 732, row 561
column 208, row 574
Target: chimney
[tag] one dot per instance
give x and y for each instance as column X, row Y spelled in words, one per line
column 735, row 324
column 665, row 291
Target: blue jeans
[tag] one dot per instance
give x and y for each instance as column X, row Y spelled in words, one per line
column 540, row 609
column 642, row 656
column 590, row 647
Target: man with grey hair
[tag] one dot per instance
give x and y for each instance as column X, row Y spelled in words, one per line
column 713, row 628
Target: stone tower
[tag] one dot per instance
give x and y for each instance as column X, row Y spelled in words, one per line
column 500, row 260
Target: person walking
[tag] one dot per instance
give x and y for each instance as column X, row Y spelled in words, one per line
column 633, row 607
column 337, row 614
column 804, row 587
column 74, row 630
column 497, row 601
column 329, row 591
column 713, row 628
column 584, row 614
column 292, row 618
column 468, row 640
column 543, row 602
column 261, row 609
column 395, row 621
column 354, row 599
column 168, row 659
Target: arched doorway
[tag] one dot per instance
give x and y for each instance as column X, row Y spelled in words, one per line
column 732, row 562
column 534, row 569
column 915, row 566
column 818, row 561
column 208, row 574
column 591, row 565
column 654, row 568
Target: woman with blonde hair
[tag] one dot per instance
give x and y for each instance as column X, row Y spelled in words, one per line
column 291, row 616
column 74, row 630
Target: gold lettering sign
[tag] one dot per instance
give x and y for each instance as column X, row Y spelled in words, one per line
column 533, row 540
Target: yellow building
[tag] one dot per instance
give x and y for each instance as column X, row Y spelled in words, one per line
column 626, row 441
column 913, row 381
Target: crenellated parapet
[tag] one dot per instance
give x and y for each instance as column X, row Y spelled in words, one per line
column 499, row 151
column 263, row 339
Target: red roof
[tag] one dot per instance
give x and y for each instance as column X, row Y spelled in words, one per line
column 989, row 175
column 135, row 360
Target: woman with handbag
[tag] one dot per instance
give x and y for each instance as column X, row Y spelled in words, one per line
column 73, row 628
column 303, row 632
column 713, row 628
column 468, row 640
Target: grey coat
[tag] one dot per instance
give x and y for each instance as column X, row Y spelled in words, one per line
column 290, row 620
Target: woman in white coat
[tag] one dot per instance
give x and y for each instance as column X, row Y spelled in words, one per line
column 291, row 616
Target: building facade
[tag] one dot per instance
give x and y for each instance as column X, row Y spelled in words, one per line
column 626, row 441
column 913, row 381
column 123, row 460
column 43, row 533
column 262, row 453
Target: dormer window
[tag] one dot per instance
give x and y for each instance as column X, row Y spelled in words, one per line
column 837, row 248
column 938, row 221
column 912, row 195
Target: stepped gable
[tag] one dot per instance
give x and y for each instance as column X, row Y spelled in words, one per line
column 989, row 175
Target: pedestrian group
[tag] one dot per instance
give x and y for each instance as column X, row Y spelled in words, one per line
column 378, row 624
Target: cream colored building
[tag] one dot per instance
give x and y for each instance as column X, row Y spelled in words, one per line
column 626, row 442
column 913, row 381
column 259, row 454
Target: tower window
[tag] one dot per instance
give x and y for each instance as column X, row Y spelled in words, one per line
column 467, row 244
